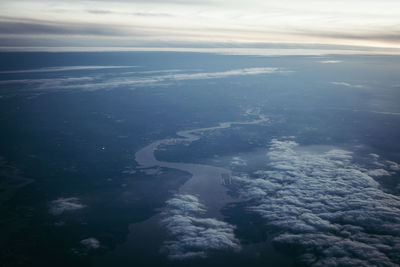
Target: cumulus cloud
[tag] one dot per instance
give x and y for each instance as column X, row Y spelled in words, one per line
column 386, row 167
column 393, row 165
column 378, row 173
column 90, row 243
column 61, row 205
column 238, row 161
column 327, row 206
column 194, row 236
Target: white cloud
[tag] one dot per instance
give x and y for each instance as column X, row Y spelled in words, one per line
column 393, row 165
column 97, row 82
column 91, row 243
column 61, row 205
column 194, row 236
column 222, row 74
column 237, row 161
column 330, row 61
column 152, row 171
column 327, row 206
column 378, row 173
column 348, row 84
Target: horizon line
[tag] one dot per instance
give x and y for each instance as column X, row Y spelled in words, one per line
column 283, row 51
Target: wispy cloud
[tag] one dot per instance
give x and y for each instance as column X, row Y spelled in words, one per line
column 99, row 81
column 330, row 61
column 348, row 84
column 31, row 27
column 139, row 14
column 65, row 68
column 62, row 205
column 195, row 236
column 327, row 206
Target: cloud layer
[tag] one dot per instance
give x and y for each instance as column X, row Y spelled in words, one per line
column 151, row 23
column 327, row 206
column 194, row 236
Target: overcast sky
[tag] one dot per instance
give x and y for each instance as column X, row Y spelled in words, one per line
column 199, row 23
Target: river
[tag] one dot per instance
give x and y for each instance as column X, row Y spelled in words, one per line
column 207, row 182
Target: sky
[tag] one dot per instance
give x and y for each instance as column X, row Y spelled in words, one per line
column 195, row 23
